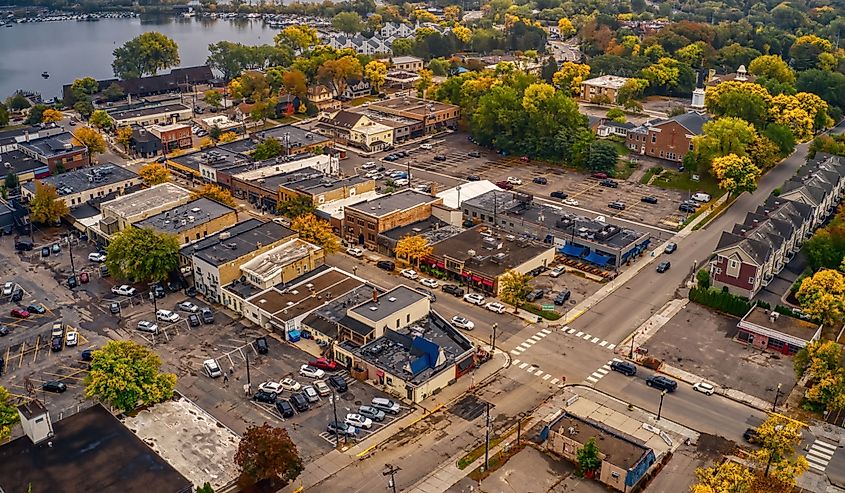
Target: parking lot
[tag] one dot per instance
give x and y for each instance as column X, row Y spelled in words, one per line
column 579, row 287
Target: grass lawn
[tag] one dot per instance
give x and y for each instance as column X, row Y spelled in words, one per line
column 362, row 100
column 649, row 173
column 624, row 169
column 683, row 181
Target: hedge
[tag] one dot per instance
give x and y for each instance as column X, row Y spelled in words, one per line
column 720, row 300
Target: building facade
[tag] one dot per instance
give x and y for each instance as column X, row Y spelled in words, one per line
column 669, row 139
column 364, row 221
column 606, row 86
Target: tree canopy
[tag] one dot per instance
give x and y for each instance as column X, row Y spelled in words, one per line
column 154, row 174
column 514, row 288
column 142, row 254
column 45, row 207
column 822, row 296
column 8, row 414
column 315, row 231
column 296, row 206
column 91, row 139
column 413, row 248
column 215, row 193
column 145, row 54
column 266, row 453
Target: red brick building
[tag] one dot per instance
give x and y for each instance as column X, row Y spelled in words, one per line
column 59, row 152
column 668, row 139
column 174, row 136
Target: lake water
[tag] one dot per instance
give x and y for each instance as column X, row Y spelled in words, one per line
column 70, row 50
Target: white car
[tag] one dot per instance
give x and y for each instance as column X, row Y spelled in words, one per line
column 290, row 384
column 409, row 273
column 701, row 197
column 462, row 323
column 495, row 307
column 368, row 165
column 146, row 326
column 355, row 251
column 311, row 372
column 212, row 369
column 124, row 290
column 704, row 388
column 322, row 388
column 187, row 306
column 96, row 257
column 514, row 180
column 570, row 202
column 359, row 421
column 429, row 283
column 271, row 387
column 8, row 288
column 401, row 182
column 427, row 147
column 557, row 271
column 167, row 316
column 72, row 338
column 474, row 298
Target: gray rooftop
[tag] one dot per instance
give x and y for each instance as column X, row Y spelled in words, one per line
column 329, row 315
column 147, row 111
column 489, row 255
column 217, row 158
column 243, row 238
column 388, row 204
column 80, row 180
column 396, row 299
column 185, row 217
column 430, row 228
column 324, row 183
column 54, row 145
column 20, row 162
column 620, row 449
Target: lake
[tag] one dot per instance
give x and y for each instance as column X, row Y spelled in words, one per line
column 69, row 50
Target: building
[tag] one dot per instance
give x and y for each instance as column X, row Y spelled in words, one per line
column 610, row 127
column 407, row 63
column 207, row 165
column 322, row 97
column 59, row 152
column 748, row 257
column 604, row 86
column 144, row 144
column 479, row 257
column 333, row 211
column 455, row 196
column 669, row 138
column 23, row 166
column 80, row 452
column 223, row 122
column 294, row 140
column 356, row 130
column 741, row 75
column 179, row 79
column 79, row 186
column 434, row 115
column 9, row 139
column 432, row 229
column 216, row 260
column 191, row 221
column 773, row 331
column 259, row 183
column 356, row 88
column 322, row 189
column 173, row 137
column 122, row 212
column 364, row 221
column 582, row 240
column 625, row 460
column 400, row 80
column 283, row 263
column 164, row 114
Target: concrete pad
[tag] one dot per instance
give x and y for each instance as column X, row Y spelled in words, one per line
column 529, row 471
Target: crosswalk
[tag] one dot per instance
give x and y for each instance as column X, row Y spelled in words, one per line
column 537, row 372
column 526, row 345
column 601, row 372
column 820, row 454
column 539, row 336
column 587, row 337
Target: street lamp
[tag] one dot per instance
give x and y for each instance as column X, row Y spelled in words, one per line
column 777, row 394
column 495, row 326
column 660, row 408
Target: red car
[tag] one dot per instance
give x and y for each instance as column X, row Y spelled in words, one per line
column 324, row 364
column 504, row 185
column 20, row 313
column 525, row 159
column 600, row 176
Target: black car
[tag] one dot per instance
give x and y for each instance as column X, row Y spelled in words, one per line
column 87, row 355
column 473, row 178
column 562, row 297
column 261, row 345
column 402, row 153
column 114, row 308
column 624, row 367
column 56, row 344
column 662, row 383
column 686, row 208
column 299, row 402
column 159, row 291
column 535, row 295
column 439, row 157
column 558, row 195
column 54, row 386
column 36, row 308
column 23, row 245
column 17, row 295
column 540, row 180
column 45, row 252
column 207, row 316
column 750, row 435
column 431, row 296
column 607, row 182
column 620, row 206
column 391, row 158
column 284, row 408
column 267, row 397
column 385, row 265
column 104, row 271
column 663, row 267
column 193, row 320
column 649, row 200
column 453, row 290
column 340, row 428
column 474, row 154
column 5, row 330
column 72, row 282
column 338, row 383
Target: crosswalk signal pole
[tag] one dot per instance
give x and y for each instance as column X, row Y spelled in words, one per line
column 391, row 471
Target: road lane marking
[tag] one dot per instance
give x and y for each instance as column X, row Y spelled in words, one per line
column 570, row 331
column 611, row 346
column 554, row 381
column 587, row 336
column 515, row 362
column 522, row 366
column 546, row 376
column 579, row 334
column 603, row 343
column 595, row 340
column 538, row 373
column 540, row 334
column 545, row 331
column 515, row 352
column 535, row 339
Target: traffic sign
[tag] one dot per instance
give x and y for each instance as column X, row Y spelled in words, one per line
column 548, row 308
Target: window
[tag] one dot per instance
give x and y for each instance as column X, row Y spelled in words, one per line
column 474, row 214
column 717, row 270
column 397, row 323
column 750, row 280
column 733, row 264
column 653, row 138
column 408, row 318
column 690, row 145
column 483, row 218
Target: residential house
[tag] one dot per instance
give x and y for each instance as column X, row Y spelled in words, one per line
column 610, row 127
column 357, row 130
column 287, row 104
column 79, row 186
column 322, row 97
column 605, row 85
column 396, row 30
column 356, row 88
column 741, row 75
column 364, row 221
column 360, row 43
column 668, row 139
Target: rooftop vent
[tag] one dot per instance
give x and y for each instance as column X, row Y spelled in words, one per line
column 373, row 308
column 391, row 299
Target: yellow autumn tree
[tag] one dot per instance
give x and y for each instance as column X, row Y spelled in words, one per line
column 228, row 137
column 822, row 296
column 412, row 248
column 375, row 72
column 778, row 436
column 570, row 76
column 154, row 174
column 214, row 192
column 313, row 230
column 736, row 174
column 564, row 25
column 464, row 34
column 51, row 116
column 727, row 476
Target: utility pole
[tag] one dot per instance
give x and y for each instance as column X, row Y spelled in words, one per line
column 248, row 382
column 660, row 409
column 334, row 408
column 631, row 353
column 487, row 438
column 70, row 250
column 391, row 471
column 495, row 326
column 775, row 402
column 408, row 165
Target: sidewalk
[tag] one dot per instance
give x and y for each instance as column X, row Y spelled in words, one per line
column 336, row 460
column 734, row 395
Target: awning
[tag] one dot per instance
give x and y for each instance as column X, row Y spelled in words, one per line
column 572, row 250
column 597, row 258
column 487, row 283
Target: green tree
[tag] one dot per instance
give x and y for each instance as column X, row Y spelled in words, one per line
column 602, row 157
column 8, row 414
column 84, row 108
column 18, row 102
column 723, row 136
column 36, row 114
column 82, row 90
column 315, row 231
column 616, row 115
column 45, row 207
column 123, row 136
column 348, row 22
column 114, row 92
column 127, row 375
column 205, row 488
column 142, row 254
column 268, row 149
column 266, row 453
column 4, row 115
column 214, row 133
column 299, row 37
column 439, row 67
column 772, row 67
column 736, row 174
column 213, row 98
column 101, row 119
column 296, row 206
column 514, row 288
column 588, row 457
column 145, row 54
column 822, row 296
column 744, row 100
column 782, row 138
column 11, row 182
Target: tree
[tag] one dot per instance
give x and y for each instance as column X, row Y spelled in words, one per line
column 744, row 100
column 295, row 82
column 782, row 138
column 413, row 248
column 602, row 157
column 101, row 119
column 4, row 115
column 8, row 414
column 91, row 139
column 266, row 453
column 616, row 115
column 18, row 102
column 127, row 374
column 268, row 149
column 51, row 116
column 514, row 288
column 736, row 174
column 213, row 98
column 823, row 361
column 145, row 54
column 45, row 206
column 425, row 82
column 726, row 477
column 82, row 90
column 772, row 67
column 295, row 206
column 375, row 72
column 348, row 22
column 588, row 457
column 214, row 133
column 723, row 136
column 142, row 254
column 452, row 13
column 123, row 136
column 807, row 50
column 631, row 90
column 228, row 137
column 565, row 27
column 822, row 297
column 84, row 108
column 570, row 76
column 114, row 92
column 35, row 114
column 297, row 37
column 11, row 181
column 205, row 488
column 777, row 437
column 335, row 73
column 317, row 232
column 215, row 193
column 154, row 174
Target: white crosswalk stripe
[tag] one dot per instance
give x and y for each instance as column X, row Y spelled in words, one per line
column 570, row 331
column 587, row 336
column 525, row 344
column 554, row 381
column 595, row 340
column 599, row 373
column 611, row 346
column 523, row 366
column 579, row 334
column 820, row 454
column 546, row 376
column 515, row 362
column 603, row 343
column 535, row 339
column 545, row 331
column 515, row 352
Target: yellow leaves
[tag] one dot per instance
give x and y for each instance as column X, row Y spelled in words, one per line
column 235, row 88
column 316, row 231
column 89, row 138
column 736, row 174
column 772, row 67
column 714, row 93
column 376, row 71
column 228, row 137
column 535, row 95
column 464, row 34
column 413, row 248
column 813, row 40
column 724, row 477
column 565, row 27
column 154, row 174
column 423, row 16
column 452, row 13
column 214, row 192
column 514, row 287
column 570, row 76
column 51, row 116
column 822, row 296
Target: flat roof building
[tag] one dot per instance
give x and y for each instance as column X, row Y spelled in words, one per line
column 769, row 330
column 150, row 115
column 605, row 86
column 363, row 221
column 81, row 185
column 434, row 115
column 192, row 221
column 283, row 263
column 59, row 151
column 122, row 212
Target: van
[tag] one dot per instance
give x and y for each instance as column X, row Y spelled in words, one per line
column 427, row 147
column 701, row 197
column 23, row 245
column 386, row 405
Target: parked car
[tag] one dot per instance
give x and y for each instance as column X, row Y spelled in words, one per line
column 311, row 394
column 701, row 197
column 5, row 330
column 36, row 308
column 57, row 330
column 662, row 383
column 620, row 206
column 124, row 290
column 474, row 154
column 557, row 271
column 462, row 322
column 56, row 344
column 504, row 185
column 374, row 414
column 663, row 267
column 271, row 387
column 474, row 298
column 87, row 355
column 600, row 175
column 409, row 273
column 299, row 402
column 649, row 199
column 369, row 165
column 453, row 290
column 386, row 265
column 114, row 308
column 562, row 297
column 7, row 288
column 540, row 180
column 284, row 408
column 265, row 397
column 670, row 248
column 322, row 388
column 750, row 435
column 535, row 295
column 19, row 313
column 391, row 157
column 261, row 345
column 440, row 157
column 607, row 182
column 290, row 384
column 558, row 195
column 338, row 383
column 624, row 367
column 513, row 180
column 187, row 306
column 146, row 326
column 324, row 364
column 427, row 147
column 359, row 421
column 429, row 283
column 45, row 251
column 56, row 248
column 473, row 178
column 194, row 320
column 687, row 208
column 96, row 257
column 355, row 252
column 386, row 405
column 495, row 307
column 570, row 202
column 401, row 182
column 167, row 316
column 207, row 316
column 23, row 245
column 311, row 372
column 704, row 388
column 72, row 338
column 341, row 429
column 54, row 386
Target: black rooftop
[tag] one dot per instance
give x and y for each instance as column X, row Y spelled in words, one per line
column 245, row 237
column 80, row 180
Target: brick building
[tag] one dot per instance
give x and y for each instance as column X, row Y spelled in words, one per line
column 668, row 139
column 59, row 152
column 364, row 221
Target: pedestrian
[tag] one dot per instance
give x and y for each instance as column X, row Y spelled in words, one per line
column 225, row 380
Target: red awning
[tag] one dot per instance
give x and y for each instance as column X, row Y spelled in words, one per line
column 487, row 283
column 441, row 265
column 379, row 373
column 476, row 278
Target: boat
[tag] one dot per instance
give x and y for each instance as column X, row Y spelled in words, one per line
column 45, row 75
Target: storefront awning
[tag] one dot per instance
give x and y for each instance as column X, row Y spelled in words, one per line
column 598, row 259
column 572, row 250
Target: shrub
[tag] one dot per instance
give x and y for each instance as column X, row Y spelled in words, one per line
column 720, row 300
column 703, row 278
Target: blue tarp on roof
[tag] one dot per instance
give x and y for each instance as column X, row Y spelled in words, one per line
column 598, row 259
column 572, row 250
column 427, row 353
